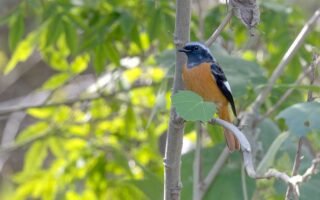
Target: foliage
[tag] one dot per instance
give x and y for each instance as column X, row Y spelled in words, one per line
column 108, row 148
column 191, row 106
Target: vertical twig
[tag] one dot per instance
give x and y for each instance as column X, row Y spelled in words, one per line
column 290, row 190
column 172, row 183
column 243, row 183
column 312, row 75
column 214, row 171
column 197, row 164
column 201, row 21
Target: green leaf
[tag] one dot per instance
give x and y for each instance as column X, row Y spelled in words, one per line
column 33, row 130
column 16, row 31
column 310, row 189
column 191, row 106
column 302, row 118
column 35, row 156
column 268, row 159
column 80, row 63
column 41, row 113
column 99, row 58
column 56, row 81
column 71, row 36
column 54, row 30
column 22, row 52
column 112, row 54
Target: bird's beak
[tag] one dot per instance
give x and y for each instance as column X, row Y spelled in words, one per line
column 183, row 50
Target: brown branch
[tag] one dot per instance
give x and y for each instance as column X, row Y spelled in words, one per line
column 172, row 160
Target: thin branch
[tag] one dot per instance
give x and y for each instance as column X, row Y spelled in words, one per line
column 197, row 165
column 217, row 32
column 10, row 110
column 214, row 171
column 315, row 62
column 286, row 59
column 244, row 184
column 295, row 169
column 201, row 20
column 172, row 160
column 293, row 181
column 284, row 96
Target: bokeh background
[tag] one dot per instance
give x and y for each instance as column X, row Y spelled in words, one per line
column 85, row 97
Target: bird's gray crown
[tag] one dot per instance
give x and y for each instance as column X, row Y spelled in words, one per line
column 197, row 53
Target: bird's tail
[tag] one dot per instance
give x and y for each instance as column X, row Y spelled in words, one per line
column 232, row 141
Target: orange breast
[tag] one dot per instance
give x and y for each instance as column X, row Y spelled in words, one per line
column 200, row 80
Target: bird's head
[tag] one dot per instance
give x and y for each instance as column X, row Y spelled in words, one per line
column 197, row 53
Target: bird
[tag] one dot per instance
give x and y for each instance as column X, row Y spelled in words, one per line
column 203, row 75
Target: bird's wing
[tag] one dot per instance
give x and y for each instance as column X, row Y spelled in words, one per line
column 223, row 84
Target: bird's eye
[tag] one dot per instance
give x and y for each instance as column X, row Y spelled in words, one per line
column 195, row 48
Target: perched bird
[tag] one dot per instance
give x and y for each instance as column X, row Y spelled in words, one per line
column 203, row 75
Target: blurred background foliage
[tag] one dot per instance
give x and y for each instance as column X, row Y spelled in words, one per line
column 105, row 69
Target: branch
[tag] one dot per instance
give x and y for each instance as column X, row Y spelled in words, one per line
column 217, row 32
column 286, row 58
column 295, row 169
column 172, row 160
column 284, row 96
column 292, row 181
column 197, row 165
column 10, row 110
column 214, row 171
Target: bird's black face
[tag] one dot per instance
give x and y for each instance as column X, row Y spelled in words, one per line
column 197, row 53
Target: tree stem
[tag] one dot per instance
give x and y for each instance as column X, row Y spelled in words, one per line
column 172, row 160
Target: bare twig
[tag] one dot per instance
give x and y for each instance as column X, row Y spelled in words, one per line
column 172, row 160
column 244, row 184
column 295, row 169
column 315, row 62
column 214, row 171
column 293, row 181
column 284, row 96
column 201, row 20
column 10, row 110
column 197, row 165
column 217, row 32
column 285, row 60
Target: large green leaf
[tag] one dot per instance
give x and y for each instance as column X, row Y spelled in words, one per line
column 191, row 106
column 268, row 159
column 227, row 185
column 302, row 118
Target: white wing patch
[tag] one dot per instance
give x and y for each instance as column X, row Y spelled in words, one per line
column 226, row 83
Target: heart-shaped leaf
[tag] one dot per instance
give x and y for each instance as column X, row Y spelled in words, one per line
column 191, row 106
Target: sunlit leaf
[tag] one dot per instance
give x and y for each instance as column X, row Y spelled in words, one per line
column 35, row 156
column 56, row 81
column 33, row 130
column 41, row 113
column 80, row 63
column 22, row 51
column 191, row 106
